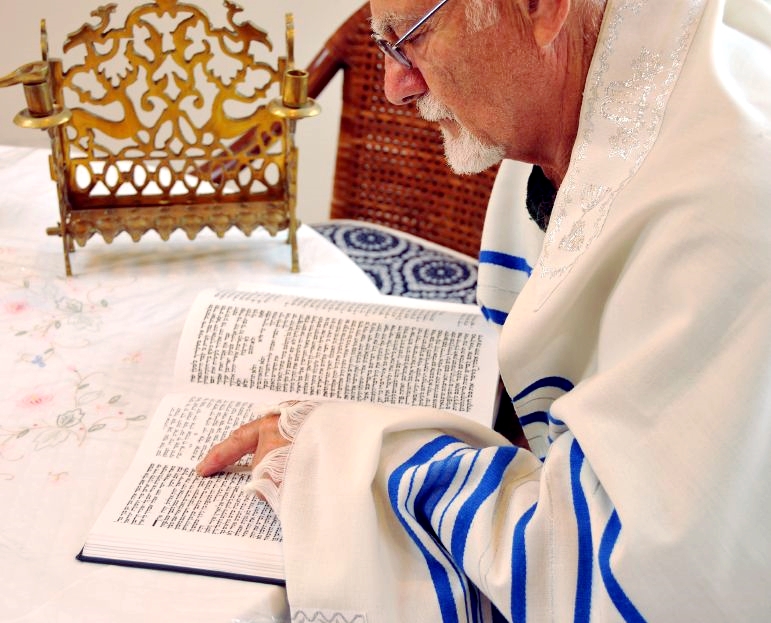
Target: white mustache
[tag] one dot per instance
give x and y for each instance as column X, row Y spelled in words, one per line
column 464, row 151
column 431, row 109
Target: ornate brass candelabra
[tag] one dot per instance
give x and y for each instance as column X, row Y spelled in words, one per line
column 156, row 106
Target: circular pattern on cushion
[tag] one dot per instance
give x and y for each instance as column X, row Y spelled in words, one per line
column 402, row 266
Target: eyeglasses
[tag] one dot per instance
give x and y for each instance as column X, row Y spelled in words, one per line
column 394, row 49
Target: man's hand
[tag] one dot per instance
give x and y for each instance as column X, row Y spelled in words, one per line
column 259, row 436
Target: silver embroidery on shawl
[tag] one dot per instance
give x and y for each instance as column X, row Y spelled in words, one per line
column 625, row 114
column 627, row 104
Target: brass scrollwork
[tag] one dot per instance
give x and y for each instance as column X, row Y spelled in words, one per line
column 155, row 105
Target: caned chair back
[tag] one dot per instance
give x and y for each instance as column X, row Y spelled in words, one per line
column 390, row 166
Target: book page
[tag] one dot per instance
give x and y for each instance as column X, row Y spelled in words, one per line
column 240, row 350
column 399, row 352
column 163, row 513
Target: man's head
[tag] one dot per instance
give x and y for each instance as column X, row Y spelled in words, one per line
column 503, row 78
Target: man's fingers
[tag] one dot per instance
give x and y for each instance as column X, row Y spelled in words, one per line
column 241, row 441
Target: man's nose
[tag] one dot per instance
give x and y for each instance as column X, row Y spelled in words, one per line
column 402, row 85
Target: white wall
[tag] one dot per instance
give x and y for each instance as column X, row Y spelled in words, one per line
column 314, row 20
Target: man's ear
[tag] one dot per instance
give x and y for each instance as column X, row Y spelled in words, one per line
column 548, row 17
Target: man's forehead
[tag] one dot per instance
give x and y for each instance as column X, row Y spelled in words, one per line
column 390, row 21
column 393, row 14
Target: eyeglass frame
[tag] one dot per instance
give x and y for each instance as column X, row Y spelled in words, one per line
column 393, row 49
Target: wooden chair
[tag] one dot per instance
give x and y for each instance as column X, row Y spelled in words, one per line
column 390, row 167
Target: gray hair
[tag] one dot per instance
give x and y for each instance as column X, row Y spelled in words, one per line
column 481, row 14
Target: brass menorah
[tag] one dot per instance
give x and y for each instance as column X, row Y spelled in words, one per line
column 155, row 106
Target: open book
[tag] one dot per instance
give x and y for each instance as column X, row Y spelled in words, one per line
column 240, row 350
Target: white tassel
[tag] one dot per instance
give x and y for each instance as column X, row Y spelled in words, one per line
column 293, row 416
column 268, row 475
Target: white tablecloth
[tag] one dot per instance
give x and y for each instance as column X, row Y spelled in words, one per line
column 84, row 361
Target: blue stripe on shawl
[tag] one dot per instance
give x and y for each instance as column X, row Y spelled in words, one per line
column 439, row 476
column 490, row 482
column 505, row 260
column 582, row 609
column 617, row 595
column 463, row 484
column 554, row 420
column 437, row 568
column 539, row 417
column 519, row 568
column 437, row 480
column 549, row 381
column 495, row 316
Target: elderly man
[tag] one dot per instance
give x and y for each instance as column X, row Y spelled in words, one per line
column 637, row 354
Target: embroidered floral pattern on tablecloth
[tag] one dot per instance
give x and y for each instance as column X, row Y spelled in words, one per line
column 48, row 327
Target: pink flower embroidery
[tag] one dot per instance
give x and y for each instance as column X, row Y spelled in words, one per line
column 35, row 399
column 16, row 307
column 135, row 357
column 56, row 477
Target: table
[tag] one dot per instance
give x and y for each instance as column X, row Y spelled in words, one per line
column 86, row 359
column 84, row 362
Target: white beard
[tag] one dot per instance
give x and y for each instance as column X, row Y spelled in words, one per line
column 465, row 153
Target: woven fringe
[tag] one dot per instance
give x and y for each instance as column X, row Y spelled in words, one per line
column 268, row 475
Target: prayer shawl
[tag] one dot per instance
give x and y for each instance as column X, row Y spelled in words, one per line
column 638, row 357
